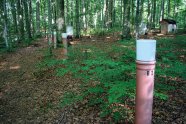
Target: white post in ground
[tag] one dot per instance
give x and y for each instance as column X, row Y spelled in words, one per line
column 69, row 30
column 145, row 63
column 65, row 44
column 55, row 40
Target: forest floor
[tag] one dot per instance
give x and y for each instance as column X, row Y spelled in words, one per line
column 32, row 94
column 24, row 98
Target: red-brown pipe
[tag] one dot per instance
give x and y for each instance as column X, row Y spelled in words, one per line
column 144, row 91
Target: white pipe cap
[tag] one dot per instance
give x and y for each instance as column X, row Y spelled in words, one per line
column 64, row 35
column 69, row 30
column 146, row 50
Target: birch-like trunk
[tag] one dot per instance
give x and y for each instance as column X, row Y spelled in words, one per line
column 20, row 20
column 5, row 32
column 27, row 19
column 137, row 18
column 38, row 17
column 77, row 20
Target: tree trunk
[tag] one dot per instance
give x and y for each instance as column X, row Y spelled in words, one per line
column 137, row 18
column 84, row 14
column 49, row 26
column 67, row 12
column 27, row 19
column 72, row 14
column 13, row 10
column 175, row 9
column 106, row 14
column 154, row 14
column 132, row 15
column 60, row 15
column 20, row 19
column 149, row 15
column 121, row 13
column 38, row 17
column 114, row 13
column 168, row 8
column 31, row 18
column 5, row 32
column 141, row 10
column 126, row 20
column 111, row 13
column 162, row 10
column 77, row 20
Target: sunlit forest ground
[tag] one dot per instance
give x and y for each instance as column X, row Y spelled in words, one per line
column 96, row 84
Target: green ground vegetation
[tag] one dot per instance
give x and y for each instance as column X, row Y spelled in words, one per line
column 108, row 72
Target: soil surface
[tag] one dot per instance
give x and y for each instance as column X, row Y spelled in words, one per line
column 25, row 97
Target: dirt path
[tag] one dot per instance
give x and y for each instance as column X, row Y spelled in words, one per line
column 24, row 98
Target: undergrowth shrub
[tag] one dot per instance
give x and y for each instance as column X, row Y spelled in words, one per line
column 108, row 73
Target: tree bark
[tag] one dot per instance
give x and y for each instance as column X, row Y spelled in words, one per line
column 31, row 18
column 126, row 20
column 38, row 17
column 84, row 14
column 137, row 18
column 77, row 20
column 14, row 14
column 5, row 32
column 168, row 8
column 49, row 26
column 20, row 20
column 149, row 15
column 27, row 19
column 154, row 14
column 60, row 15
column 162, row 9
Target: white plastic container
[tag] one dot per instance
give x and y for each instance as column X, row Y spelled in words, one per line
column 145, row 50
column 69, row 30
column 64, row 35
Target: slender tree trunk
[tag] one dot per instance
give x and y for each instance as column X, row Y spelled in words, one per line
column 31, row 18
column 49, row 26
column 141, row 10
column 114, row 13
column 20, row 19
column 111, row 13
column 61, row 15
column 175, row 9
column 102, row 14
column 126, row 20
column 67, row 12
column 38, row 17
column 162, row 10
column 27, row 19
column 5, row 32
column 149, row 15
column 168, row 8
column 13, row 10
column 122, row 13
column 137, row 18
column 45, row 17
column 84, row 14
column 132, row 15
column 77, row 20
column 72, row 14
column 185, row 20
column 154, row 14
column 106, row 14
